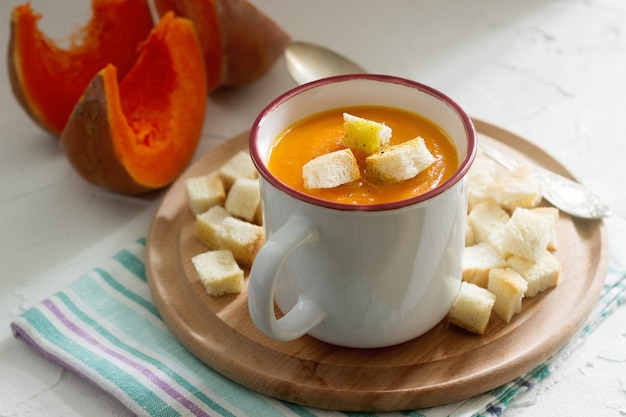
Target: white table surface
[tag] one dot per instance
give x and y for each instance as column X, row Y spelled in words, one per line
column 552, row 71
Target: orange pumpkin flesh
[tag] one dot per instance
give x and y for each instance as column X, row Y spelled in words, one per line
column 47, row 80
column 138, row 135
column 204, row 16
column 240, row 43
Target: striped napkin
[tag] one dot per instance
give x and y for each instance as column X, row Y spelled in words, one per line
column 105, row 328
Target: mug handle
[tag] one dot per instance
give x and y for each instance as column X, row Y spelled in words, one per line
column 306, row 314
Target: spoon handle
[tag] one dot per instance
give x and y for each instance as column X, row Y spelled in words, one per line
column 565, row 194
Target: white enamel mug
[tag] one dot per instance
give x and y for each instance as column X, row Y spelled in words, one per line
column 359, row 276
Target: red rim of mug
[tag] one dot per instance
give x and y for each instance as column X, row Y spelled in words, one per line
column 456, row 177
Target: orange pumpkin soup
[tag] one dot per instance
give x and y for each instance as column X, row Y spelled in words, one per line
column 323, row 132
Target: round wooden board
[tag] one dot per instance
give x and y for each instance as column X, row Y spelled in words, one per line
column 444, row 365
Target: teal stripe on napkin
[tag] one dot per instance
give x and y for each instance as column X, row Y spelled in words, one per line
column 132, row 263
column 122, row 290
column 105, row 328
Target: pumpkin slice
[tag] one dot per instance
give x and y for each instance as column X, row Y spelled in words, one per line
column 139, row 135
column 240, row 42
column 47, row 80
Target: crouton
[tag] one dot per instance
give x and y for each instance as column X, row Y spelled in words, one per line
column 217, row 229
column 479, row 177
column 539, row 275
column 472, row 307
column 485, row 218
column 331, row 170
column 205, row 192
column 243, row 239
column 525, row 235
column 478, row 260
column 207, row 224
column 243, row 199
column 400, row 162
column 365, row 135
column 219, row 273
column 552, row 215
column 509, row 287
column 469, row 233
column 516, row 188
column 239, row 166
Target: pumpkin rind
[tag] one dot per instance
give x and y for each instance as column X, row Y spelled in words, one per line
column 240, row 42
column 47, row 80
column 252, row 42
column 139, row 134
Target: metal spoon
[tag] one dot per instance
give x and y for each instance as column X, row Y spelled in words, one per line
column 307, row 62
column 564, row 194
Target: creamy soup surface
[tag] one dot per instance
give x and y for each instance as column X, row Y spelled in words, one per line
column 323, row 132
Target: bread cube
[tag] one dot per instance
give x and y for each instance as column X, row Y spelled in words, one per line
column 539, row 275
column 207, row 224
column 239, row 166
column 243, row 239
column 552, row 215
column 331, row 170
column 478, row 260
column 205, row 192
column 472, row 307
column 365, row 135
column 479, row 177
column 469, row 233
column 244, row 198
column 485, row 218
column 217, row 229
column 525, row 235
column 509, row 287
column 258, row 217
column 219, row 273
column 516, row 188
column 400, row 162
